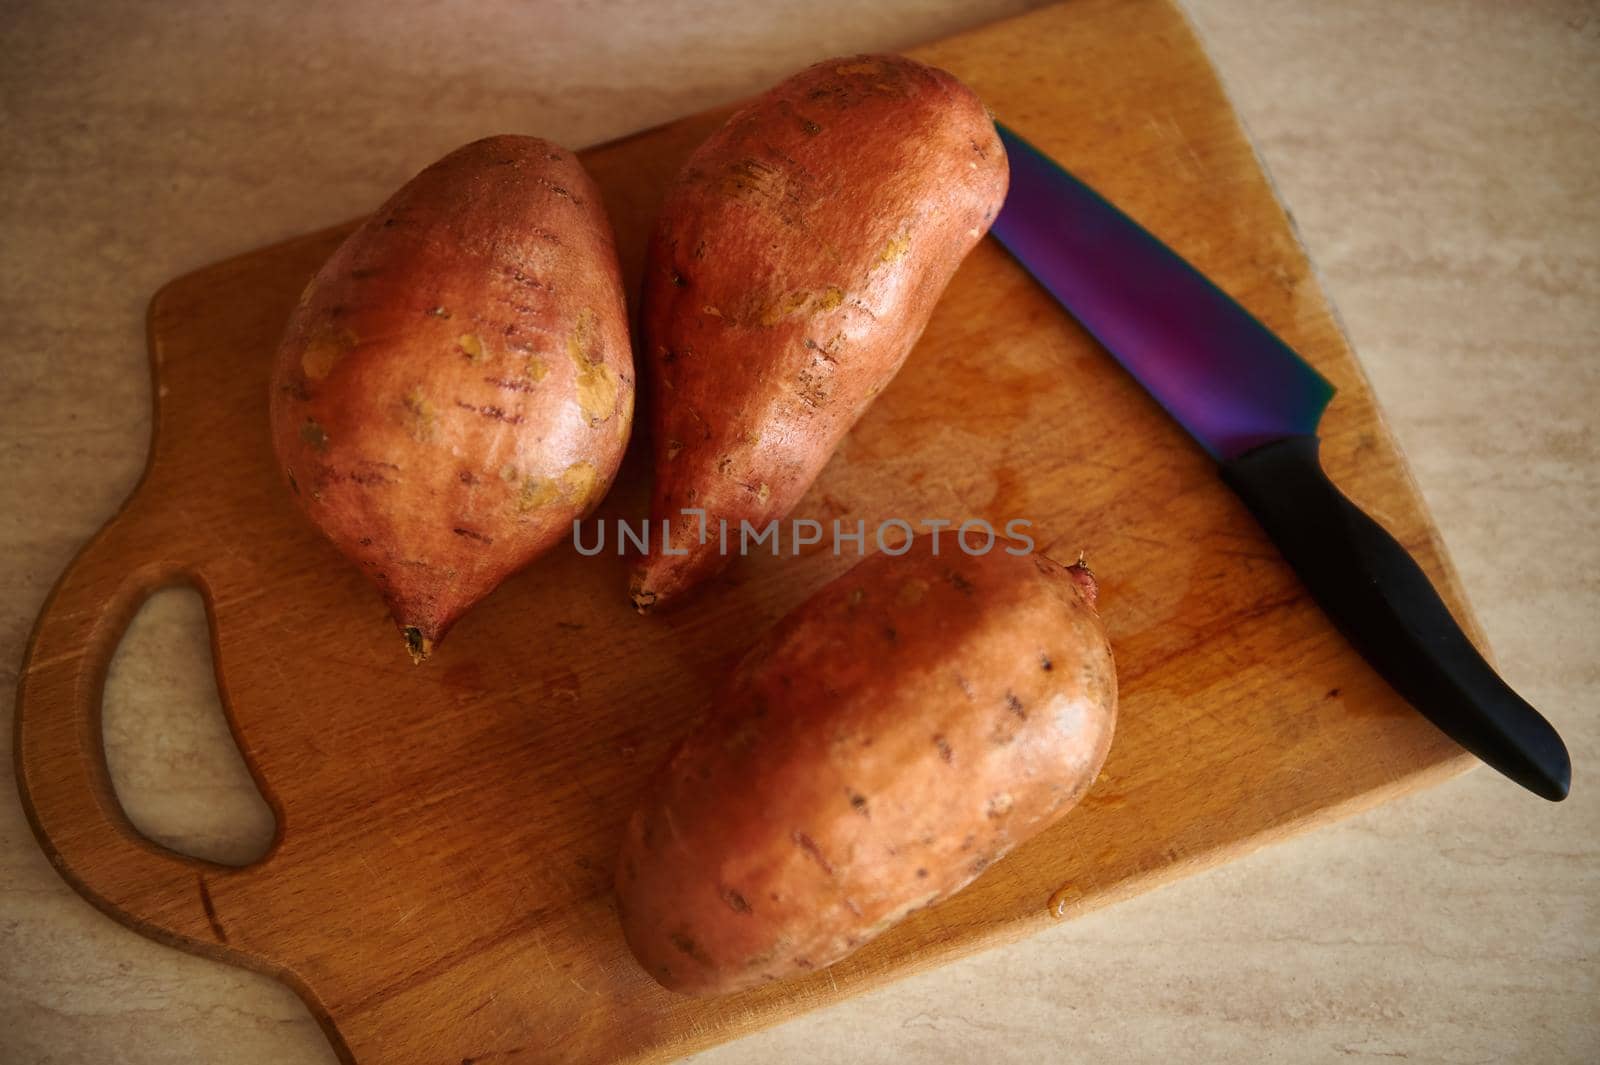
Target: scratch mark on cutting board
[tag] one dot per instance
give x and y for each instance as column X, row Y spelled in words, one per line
column 211, row 911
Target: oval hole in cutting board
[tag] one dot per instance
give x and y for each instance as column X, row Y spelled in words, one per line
column 174, row 765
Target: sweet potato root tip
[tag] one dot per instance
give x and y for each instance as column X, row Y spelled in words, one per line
column 1083, row 577
column 417, row 644
column 644, row 600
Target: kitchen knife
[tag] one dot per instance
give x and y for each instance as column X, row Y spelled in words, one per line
column 1254, row 405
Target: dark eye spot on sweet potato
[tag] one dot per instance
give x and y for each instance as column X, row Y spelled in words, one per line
column 814, row 852
column 960, row 583
column 922, row 874
column 1014, row 705
column 1045, row 663
column 858, row 803
column 315, row 435
column 685, row 944
column 735, row 901
column 945, row 753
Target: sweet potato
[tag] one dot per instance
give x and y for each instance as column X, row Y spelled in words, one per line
column 888, row 741
column 456, row 385
column 794, row 264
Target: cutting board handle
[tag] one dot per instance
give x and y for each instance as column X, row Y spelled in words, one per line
column 60, row 758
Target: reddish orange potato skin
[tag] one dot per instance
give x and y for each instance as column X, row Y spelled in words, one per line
column 795, row 263
column 456, row 385
column 886, row 742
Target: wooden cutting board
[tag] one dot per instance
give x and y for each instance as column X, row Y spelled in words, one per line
column 438, row 891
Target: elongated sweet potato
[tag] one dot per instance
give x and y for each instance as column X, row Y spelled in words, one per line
column 794, row 265
column 883, row 745
column 456, row 385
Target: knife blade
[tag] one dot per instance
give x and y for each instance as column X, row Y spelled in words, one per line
column 1254, row 405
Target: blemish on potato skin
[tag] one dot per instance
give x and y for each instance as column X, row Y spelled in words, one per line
column 736, row 902
column 535, row 493
column 323, row 352
column 471, row 345
column 895, row 250
column 912, row 592
column 783, row 307
column 812, row 851
column 558, row 190
column 438, row 312
column 509, row 385
column 314, row 435
column 946, row 754
column 810, row 127
column 685, row 944
column 625, row 414
column 578, row 481
column 597, row 384
column 490, row 411
column 421, row 419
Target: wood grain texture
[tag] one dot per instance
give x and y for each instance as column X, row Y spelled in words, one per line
column 438, row 889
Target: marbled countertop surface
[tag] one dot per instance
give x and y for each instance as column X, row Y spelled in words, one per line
column 1442, row 160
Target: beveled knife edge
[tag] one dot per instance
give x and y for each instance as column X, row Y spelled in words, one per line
column 1254, row 404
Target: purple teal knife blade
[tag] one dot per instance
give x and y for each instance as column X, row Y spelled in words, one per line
column 1223, row 375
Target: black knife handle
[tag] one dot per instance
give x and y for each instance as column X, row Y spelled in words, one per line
column 1384, row 604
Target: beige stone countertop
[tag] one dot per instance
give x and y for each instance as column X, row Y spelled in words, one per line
column 1442, row 160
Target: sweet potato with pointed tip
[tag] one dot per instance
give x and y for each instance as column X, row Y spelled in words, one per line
column 456, row 384
column 794, row 264
column 888, row 741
